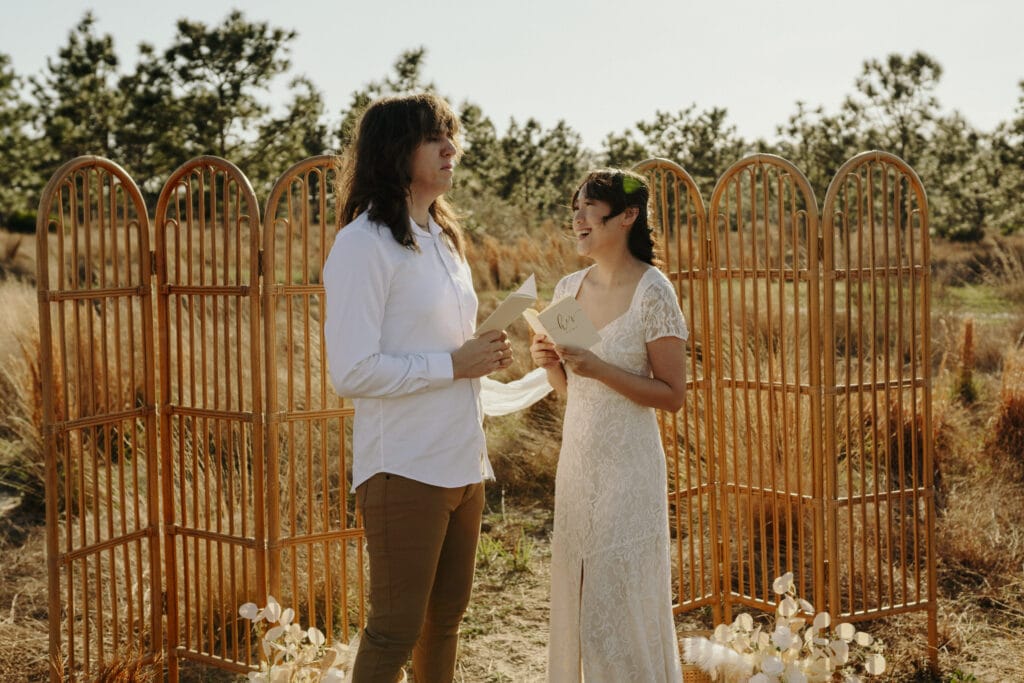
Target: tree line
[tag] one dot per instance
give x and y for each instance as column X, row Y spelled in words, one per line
column 208, row 92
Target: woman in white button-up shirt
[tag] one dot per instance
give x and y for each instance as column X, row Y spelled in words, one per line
column 400, row 316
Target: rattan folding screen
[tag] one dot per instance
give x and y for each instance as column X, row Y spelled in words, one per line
column 196, row 457
column 805, row 445
column 154, row 543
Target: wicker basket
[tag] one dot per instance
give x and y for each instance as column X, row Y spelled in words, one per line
column 691, row 672
column 694, row 674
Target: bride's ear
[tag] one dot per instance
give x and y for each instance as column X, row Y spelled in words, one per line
column 629, row 216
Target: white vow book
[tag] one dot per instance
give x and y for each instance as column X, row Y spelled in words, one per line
column 564, row 323
column 511, row 308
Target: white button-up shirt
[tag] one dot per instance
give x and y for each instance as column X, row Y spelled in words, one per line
column 393, row 318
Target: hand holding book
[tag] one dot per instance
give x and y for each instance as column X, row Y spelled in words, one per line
column 511, row 308
column 565, row 323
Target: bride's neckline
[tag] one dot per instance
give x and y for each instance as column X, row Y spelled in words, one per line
column 632, row 298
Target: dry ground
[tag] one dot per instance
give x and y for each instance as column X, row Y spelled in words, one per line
column 504, row 636
column 505, row 630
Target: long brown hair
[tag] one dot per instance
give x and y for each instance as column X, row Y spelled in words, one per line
column 376, row 170
column 620, row 190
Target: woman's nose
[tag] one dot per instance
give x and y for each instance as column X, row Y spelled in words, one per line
column 449, row 147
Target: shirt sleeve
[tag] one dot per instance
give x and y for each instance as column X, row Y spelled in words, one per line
column 357, row 277
column 659, row 310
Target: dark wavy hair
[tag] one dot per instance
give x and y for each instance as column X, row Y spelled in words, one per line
column 376, row 172
column 621, row 190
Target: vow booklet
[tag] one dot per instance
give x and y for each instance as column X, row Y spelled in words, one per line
column 511, row 308
column 564, row 323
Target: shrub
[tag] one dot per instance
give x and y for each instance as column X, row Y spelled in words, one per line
column 21, row 221
column 1008, row 422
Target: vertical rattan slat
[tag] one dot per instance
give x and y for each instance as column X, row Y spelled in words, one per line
column 877, row 376
column 99, row 419
column 211, row 411
column 315, row 537
column 681, row 224
column 763, row 282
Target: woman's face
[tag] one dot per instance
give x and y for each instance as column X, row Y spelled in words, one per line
column 594, row 234
column 432, row 167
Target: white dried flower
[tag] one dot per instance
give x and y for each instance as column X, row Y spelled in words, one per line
column 783, row 584
column 249, row 611
column 272, row 612
column 782, row 637
column 293, row 654
column 845, row 632
column 772, row 665
column 788, row 607
column 874, row 664
column 315, row 636
column 792, row 651
column 822, row 621
column 840, row 652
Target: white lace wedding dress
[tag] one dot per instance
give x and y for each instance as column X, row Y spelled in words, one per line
column 611, row 612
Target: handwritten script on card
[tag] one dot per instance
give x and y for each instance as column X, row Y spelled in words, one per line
column 564, row 323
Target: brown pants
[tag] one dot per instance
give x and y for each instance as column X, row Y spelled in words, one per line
column 422, row 545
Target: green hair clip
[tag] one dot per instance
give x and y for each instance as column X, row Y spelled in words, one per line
column 630, row 184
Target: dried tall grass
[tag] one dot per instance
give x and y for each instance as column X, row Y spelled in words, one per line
column 996, row 261
column 21, row 450
column 496, row 265
column 130, row 667
column 1006, row 272
column 980, row 534
column 1007, row 433
column 17, row 257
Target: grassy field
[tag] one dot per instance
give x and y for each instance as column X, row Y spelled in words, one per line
column 978, row 423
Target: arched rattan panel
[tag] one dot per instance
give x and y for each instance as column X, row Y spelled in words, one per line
column 99, row 419
column 767, row 417
column 681, row 224
column 877, row 377
column 207, row 253
column 315, row 537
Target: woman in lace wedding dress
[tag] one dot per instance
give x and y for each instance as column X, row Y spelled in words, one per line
column 611, row 615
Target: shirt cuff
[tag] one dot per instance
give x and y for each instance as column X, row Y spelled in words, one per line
column 439, row 369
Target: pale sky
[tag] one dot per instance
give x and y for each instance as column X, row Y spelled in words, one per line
column 601, row 65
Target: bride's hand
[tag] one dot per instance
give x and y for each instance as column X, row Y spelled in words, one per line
column 542, row 350
column 582, row 362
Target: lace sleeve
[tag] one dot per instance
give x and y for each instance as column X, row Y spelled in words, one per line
column 660, row 312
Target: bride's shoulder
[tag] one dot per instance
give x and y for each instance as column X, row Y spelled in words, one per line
column 570, row 282
column 654, row 280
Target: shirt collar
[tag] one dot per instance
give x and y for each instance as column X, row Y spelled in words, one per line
column 435, row 229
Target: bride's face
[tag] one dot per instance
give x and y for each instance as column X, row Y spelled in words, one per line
column 595, row 232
